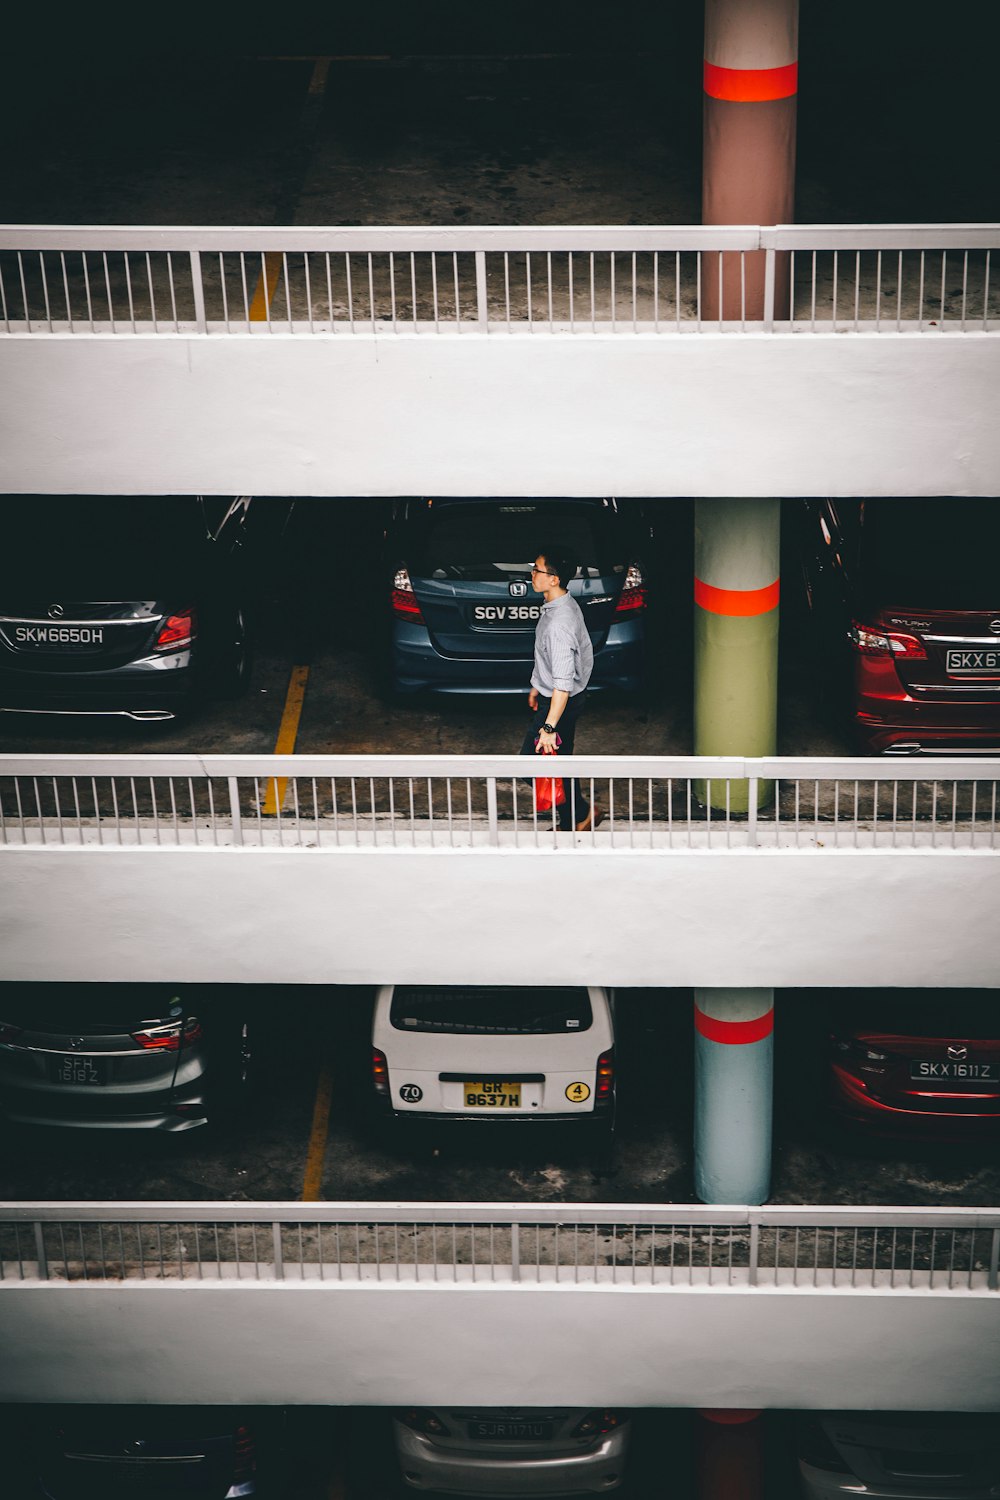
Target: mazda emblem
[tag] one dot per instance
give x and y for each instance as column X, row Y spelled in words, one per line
column 958, row 1053
column 56, row 612
column 518, row 591
column 995, row 626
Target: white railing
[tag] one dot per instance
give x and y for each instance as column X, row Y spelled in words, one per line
column 386, row 802
column 390, row 281
column 931, row 1249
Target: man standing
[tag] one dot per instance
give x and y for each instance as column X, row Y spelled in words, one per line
column 564, row 660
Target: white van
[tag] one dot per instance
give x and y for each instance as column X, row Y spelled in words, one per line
column 491, row 1052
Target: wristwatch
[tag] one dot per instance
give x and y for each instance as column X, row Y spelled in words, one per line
column 547, row 729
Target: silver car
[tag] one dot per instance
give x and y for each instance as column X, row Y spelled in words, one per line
column 511, row 1450
column 121, row 1057
column 900, row 1455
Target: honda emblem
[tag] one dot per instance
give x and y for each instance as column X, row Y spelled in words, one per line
column 518, row 590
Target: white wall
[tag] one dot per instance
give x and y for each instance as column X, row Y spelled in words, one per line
column 708, row 414
column 769, row 917
column 391, row 1344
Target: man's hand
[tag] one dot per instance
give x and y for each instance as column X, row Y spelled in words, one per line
column 546, row 744
column 533, row 700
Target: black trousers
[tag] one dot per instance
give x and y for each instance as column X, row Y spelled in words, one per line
column 576, row 807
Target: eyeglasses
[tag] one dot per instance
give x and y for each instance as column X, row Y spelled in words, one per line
column 546, row 571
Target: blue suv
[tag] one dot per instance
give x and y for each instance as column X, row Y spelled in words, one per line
column 462, row 607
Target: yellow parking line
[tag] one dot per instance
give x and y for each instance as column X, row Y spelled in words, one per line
column 316, row 1152
column 267, row 283
column 287, row 733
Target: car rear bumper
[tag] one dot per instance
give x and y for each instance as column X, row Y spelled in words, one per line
column 934, row 1120
column 418, row 666
column 900, row 725
column 425, row 1466
column 46, row 1110
column 157, row 688
column 821, row 1484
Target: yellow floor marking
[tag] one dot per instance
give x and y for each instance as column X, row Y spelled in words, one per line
column 287, row 733
column 267, row 285
column 316, row 1152
column 317, row 83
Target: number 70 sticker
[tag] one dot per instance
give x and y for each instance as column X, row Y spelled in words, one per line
column 577, row 1093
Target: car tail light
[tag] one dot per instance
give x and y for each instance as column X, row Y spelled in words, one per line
column 380, row 1072
column 872, row 640
column 403, row 599
column 598, row 1422
column 421, row 1419
column 605, row 1089
column 177, row 630
column 633, row 594
column 9, row 1033
column 173, row 1037
column 866, row 1059
column 245, row 1454
column 816, row 1449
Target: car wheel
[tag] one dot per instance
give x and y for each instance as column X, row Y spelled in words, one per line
column 237, row 661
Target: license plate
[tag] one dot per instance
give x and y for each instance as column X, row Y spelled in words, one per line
column 506, row 614
column 535, row 1432
column 492, row 1094
column 58, row 635
column 954, row 1072
column 77, row 1070
column 974, row 659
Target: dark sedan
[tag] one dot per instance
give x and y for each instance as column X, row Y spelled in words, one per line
column 132, row 606
column 905, row 596
column 462, row 605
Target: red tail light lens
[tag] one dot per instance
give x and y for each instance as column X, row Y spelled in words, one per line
column 245, row 1454
column 865, row 1058
column 173, row 1037
column 423, row 1420
column 380, row 1072
column 598, row 1422
column 404, row 602
column 872, row 640
column 633, row 594
column 177, row 630
column 605, row 1082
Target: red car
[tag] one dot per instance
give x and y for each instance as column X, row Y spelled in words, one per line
column 924, row 1063
column 905, row 598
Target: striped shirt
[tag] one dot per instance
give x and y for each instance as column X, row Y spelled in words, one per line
column 564, row 656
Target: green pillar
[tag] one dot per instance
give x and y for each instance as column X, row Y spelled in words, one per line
column 736, row 547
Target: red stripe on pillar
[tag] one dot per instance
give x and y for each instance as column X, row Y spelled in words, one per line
column 736, row 601
column 751, row 85
column 734, row 1033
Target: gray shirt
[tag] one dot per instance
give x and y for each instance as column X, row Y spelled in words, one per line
column 564, row 656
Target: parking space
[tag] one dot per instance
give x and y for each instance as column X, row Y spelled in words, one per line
column 317, row 1044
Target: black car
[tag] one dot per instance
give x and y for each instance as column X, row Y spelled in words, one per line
column 114, row 1057
column 132, row 606
column 460, row 597
column 97, row 1453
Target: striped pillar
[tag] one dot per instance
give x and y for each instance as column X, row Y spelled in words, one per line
column 748, row 164
column 733, row 1053
column 736, row 562
column 730, row 1455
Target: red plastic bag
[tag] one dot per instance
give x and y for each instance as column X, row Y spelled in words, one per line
column 549, row 791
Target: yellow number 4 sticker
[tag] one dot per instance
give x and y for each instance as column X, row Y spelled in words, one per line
column 576, row 1093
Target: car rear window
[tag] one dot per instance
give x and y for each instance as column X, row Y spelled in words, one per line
column 936, row 552
column 946, row 1013
column 487, row 1009
column 487, row 542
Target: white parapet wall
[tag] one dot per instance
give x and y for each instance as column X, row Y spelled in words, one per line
column 765, row 917
column 543, row 413
column 300, row 1342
